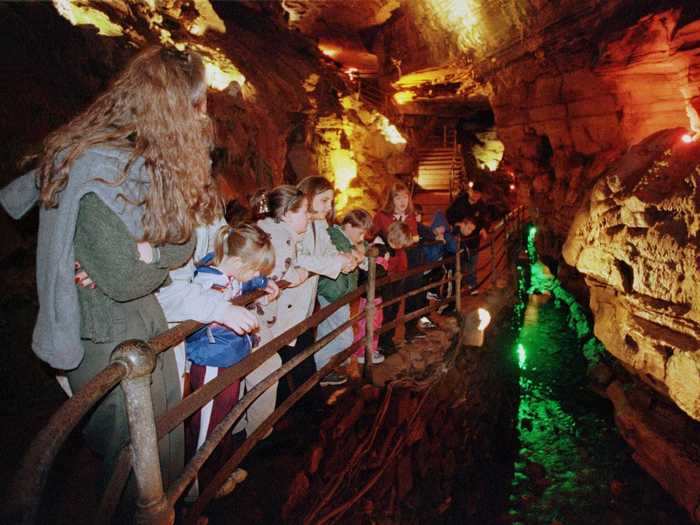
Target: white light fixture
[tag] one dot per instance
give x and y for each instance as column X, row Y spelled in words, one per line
column 484, row 318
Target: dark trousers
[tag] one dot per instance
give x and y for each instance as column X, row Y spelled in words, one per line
column 415, row 302
column 386, row 340
column 301, row 373
column 224, row 402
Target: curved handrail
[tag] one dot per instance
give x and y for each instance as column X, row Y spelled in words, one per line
column 37, row 461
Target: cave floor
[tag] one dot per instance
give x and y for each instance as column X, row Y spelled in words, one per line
column 573, row 467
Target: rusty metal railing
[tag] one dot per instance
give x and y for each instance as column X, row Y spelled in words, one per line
column 133, row 362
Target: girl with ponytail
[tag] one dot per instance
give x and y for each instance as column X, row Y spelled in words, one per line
column 240, row 263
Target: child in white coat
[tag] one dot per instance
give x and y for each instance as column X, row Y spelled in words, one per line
column 298, row 252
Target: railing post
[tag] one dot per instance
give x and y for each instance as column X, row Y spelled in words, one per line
column 370, row 308
column 458, row 276
column 493, row 258
column 140, row 360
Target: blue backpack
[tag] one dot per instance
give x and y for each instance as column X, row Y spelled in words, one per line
column 218, row 346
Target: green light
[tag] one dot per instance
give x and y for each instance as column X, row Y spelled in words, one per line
column 522, row 355
column 531, row 250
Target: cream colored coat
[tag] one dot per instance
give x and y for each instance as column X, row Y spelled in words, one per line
column 313, row 252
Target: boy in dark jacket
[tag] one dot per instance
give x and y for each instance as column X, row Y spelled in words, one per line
column 441, row 243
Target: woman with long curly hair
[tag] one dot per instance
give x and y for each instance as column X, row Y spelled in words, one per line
column 122, row 187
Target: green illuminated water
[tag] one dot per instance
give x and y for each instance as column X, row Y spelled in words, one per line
column 572, row 466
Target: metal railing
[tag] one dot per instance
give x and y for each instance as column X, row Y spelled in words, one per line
column 133, row 361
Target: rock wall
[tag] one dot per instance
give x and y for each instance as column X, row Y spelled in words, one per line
column 637, row 241
column 572, row 84
column 565, row 114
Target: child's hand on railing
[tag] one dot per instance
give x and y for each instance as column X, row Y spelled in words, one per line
column 358, row 256
column 349, row 263
column 297, row 277
column 272, row 292
column 238, row 319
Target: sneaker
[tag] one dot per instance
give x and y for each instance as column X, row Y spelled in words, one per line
column 432, row 296
column 425, row 323
column 376, row 358
column 334, row 379
column 239, row 476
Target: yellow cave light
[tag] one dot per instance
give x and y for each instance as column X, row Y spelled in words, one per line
column 390, row 132
column 78, row 14
column 331, row 52
column 460, row 18
column 207, row 19
column 404, row 97
column 344, row 168
column 220, row 73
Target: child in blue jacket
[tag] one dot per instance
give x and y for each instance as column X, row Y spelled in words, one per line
column 438, row 244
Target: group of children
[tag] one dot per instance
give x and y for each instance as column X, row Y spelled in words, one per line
column 117, row 257
column 290, row 237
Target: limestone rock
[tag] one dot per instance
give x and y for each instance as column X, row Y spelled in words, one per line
column 668, row 460
column 636, row 240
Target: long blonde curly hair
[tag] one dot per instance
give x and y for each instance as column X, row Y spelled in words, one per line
column 154, row 109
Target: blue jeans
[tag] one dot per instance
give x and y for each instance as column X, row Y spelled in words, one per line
column 342, row 341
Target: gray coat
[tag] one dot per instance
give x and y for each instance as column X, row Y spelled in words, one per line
column 56, row 337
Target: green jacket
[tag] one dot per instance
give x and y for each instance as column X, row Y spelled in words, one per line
column 333, row 289
column 125, row 285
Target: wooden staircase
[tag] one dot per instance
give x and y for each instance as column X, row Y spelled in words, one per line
column 440, row 169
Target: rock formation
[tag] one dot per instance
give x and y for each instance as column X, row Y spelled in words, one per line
column 637, row 242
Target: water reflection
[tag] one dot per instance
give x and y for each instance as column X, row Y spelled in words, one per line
column 572, row 466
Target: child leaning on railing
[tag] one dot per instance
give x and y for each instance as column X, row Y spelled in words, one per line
column 242, row 258
column 348, row 237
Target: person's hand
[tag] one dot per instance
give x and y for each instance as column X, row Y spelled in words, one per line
column 358, row 256
column 82, row 279
column 239, row 320
column 301, row 276
column 145, row 251
column 273, row 292
column 348, row 263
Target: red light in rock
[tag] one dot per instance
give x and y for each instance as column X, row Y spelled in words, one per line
column 511, row 187
column 471, row 184
column 687, row 138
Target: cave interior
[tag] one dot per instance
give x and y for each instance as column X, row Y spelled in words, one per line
column 585, row 112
